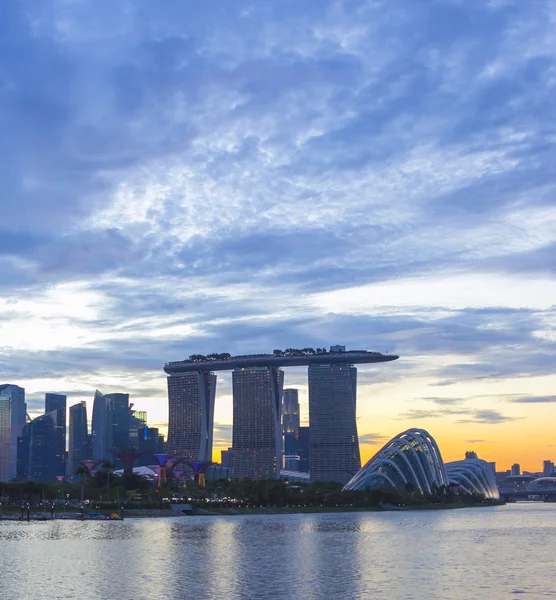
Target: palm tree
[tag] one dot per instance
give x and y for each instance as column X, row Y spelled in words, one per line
column 83, row 471
column 108, row 468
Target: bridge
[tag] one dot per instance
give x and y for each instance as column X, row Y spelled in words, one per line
column 544, row 496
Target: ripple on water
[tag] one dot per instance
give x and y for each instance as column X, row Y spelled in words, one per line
column 440, row 555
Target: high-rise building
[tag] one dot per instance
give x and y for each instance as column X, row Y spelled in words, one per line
column 516, row 469
column 120, row 414
column 226, row 458
column 334, row 445
column 13, row 412
column 547, row 468
column 37, row 449
column 43, row 447
column 150, row 443
column 102, row 430
column 303, row 449
column 79, row 439
column 290, row 428
column 191, row 414
column 290, row 412
column 257, row 430
column 57, row 402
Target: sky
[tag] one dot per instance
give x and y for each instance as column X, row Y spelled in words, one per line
column 194, row 177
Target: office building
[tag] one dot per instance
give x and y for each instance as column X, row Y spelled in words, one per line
column 37, row 449
column 79, row 447
column 516, row 469
column 290, row 412
column 257, row 425
column 191, row 414
column 120, row 412
column 57, row 402
column 547, row 468
column 102, row 431
column 13, row 412
column 334, row 445
column 150, row 443
column 303, row 449
column 226, row 458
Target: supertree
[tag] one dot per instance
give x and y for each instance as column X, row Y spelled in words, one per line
column 128, row 456
column 90, row 463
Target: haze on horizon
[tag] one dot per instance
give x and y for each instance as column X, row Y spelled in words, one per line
column 184, row 178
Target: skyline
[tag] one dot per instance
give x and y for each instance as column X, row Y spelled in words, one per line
column 245, row 177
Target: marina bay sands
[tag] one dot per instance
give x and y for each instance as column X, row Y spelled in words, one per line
column 258, row 397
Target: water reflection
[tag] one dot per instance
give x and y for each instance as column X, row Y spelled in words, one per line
column 438, row 555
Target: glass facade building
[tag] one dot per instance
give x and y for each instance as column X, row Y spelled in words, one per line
column 257, row 424
column 334, row 445
column 37, row 449
column 102, row 431
column 13, row 413
column 119, row 410
column 79, row 447
column 57, row 402
column 191, row 414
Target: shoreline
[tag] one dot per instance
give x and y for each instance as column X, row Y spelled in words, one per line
column 169, row 513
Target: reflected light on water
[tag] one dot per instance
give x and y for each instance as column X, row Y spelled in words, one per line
column 419, row 555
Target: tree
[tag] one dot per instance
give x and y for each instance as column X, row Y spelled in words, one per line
column 83, row 472
column 108, row 468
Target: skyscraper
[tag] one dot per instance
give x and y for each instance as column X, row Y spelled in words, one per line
column 37, row 448
column 547, row 468
column 290, row 413
column 13, row 412
column 303, row 449
column 191, row 414
column 43, row 446
column 516, row 469
column 257, row 431
column 79, row 439
column 102, row 431
column 290, row 428
column 334, row 445
column 120, row 413
column 57, row 402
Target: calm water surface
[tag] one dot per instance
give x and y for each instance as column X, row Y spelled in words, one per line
column 496, row 553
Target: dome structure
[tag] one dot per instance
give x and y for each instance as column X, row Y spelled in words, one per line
column 474, row 476
column 411, row 458
column 216, row 472
column 542, row 484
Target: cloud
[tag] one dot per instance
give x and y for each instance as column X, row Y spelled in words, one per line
column 474, row 441
column 488, row 417
column 372, row 439
column 444, row 401
column 180, row 179
column 222, row 434
column 534, row 400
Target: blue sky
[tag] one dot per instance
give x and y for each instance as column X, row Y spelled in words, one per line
column 183, row 177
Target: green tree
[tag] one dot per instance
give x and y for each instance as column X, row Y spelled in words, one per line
column 108, row 468
column 83, row 472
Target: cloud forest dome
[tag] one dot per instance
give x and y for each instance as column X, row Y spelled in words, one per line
column 474, row 476
column 412, row 457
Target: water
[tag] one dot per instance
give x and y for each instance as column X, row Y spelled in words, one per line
column 497, row 553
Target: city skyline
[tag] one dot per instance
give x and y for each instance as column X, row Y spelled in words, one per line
column 181, row 178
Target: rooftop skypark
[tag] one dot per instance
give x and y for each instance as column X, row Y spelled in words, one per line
column 292, row 357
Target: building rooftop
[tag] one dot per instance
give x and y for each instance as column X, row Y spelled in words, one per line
column 290, row 357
